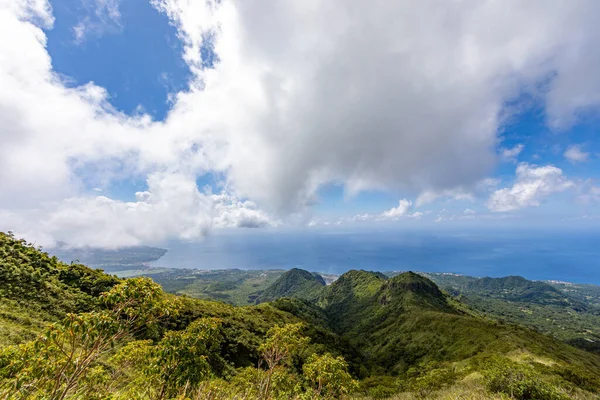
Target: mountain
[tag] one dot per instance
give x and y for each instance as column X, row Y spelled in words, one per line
column 398, row 334
column 406, row 320
column 566, row 311
column 296, row 283
column 516, row 288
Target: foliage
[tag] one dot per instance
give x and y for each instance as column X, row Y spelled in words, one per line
column 180, row 359
column 519, row 381
column 57, row 363
column 379, row 386
column 328, row 376
column 569, row 312
column 43, row 285
column 127, row 339
column 294, row 283
column 282, row 343
column 232, row 286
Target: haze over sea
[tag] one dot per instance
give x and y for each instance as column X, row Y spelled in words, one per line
column 572, row 256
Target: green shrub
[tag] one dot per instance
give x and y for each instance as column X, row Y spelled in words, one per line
column 579, row 377
column 519, row 381
column 380, row 387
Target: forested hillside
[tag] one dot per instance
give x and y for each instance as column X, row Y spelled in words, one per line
column 73, row 332
column 294, row 283
column 569, row 312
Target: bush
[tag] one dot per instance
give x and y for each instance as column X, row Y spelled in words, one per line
column 380, row 387
column 579, row 377
column 519, row 381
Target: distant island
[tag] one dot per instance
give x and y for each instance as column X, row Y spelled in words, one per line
column 124, row 258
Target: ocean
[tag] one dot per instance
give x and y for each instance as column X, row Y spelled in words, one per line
column 572, row 256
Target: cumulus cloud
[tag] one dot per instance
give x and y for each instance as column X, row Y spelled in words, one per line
column 402, row 209
column 512, row 153
column 393, row 214
column 532, row 185
column 575, row 154
column 234, row 213
column 171, row 207
column 388, row 95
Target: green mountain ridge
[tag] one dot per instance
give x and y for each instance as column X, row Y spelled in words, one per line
column 573, row 315
column 398, row 334
column 516, row 288
column 406, row 320
column 569, row 312
column 293, row 283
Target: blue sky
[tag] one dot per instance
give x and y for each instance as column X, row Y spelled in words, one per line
column 180, row 118
column 137, row 59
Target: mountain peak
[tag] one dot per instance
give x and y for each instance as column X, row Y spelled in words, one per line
column 294, row 283
column 410, row 289
column 413, row 282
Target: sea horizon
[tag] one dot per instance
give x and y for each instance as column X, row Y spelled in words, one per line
column 571, row 256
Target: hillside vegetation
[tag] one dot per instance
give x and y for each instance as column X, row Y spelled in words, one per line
column 568, row 312
column 233, row 286
column 294, row 283
column 79, row 333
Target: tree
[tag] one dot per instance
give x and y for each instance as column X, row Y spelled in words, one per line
column 282, row 343
column 328, row 376
column 56, row 364
column 185, row 358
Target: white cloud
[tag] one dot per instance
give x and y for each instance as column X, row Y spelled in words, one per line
column 575, row 154
column 171, row 207
column 429, row 196
column 396, row 212
column 289, row 107
column 101, row 16
column 512, row 153
column 393, row 214
column 532, row 185
column 589, row 194
column 233, row 213
column 477, row 190
column 469, row 211
column 487, row 185
column 362, row 217
column 415, row 215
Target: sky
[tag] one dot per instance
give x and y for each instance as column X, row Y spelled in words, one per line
column 126, row 122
